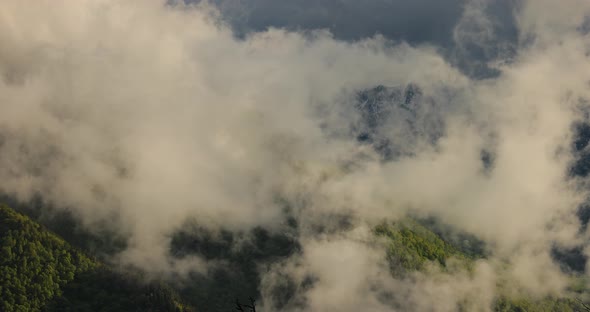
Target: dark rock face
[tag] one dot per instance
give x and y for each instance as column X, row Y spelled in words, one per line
column 394, row 119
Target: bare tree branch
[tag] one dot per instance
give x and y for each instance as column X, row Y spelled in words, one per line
column 585, row 306
column 251, row 306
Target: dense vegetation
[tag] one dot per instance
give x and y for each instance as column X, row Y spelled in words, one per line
column 101, row 241
column 34, row 264
column 411, row 245
column 39, row 271
column 543, row 305
column 105, row 290
column 242, row 254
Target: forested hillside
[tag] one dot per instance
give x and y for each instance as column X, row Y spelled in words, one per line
column 411, row 246
column 39, row 271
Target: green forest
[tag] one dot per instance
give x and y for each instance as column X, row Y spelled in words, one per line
column 40, row 271
column 411, row 246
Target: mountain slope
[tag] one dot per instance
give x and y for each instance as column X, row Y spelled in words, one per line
column 34, row 263
column 412, row 244
column 39, row 271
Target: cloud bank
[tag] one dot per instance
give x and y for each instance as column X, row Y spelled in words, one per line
column 151, row 113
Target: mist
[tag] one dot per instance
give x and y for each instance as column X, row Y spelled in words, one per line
column 146, row 114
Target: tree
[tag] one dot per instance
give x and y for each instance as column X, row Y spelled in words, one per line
column 251, row 306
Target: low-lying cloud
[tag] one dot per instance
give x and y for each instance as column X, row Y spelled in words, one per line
column 156, row 113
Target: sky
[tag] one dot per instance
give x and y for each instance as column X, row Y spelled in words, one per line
column 150, row 113
column 443, row 24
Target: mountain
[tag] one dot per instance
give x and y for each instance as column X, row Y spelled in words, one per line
column 414, row 243
column 39, row 271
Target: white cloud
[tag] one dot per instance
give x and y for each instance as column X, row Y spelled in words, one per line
column 157, row 113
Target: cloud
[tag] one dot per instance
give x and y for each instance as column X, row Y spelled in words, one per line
column 156, row 113
column 470, row 34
